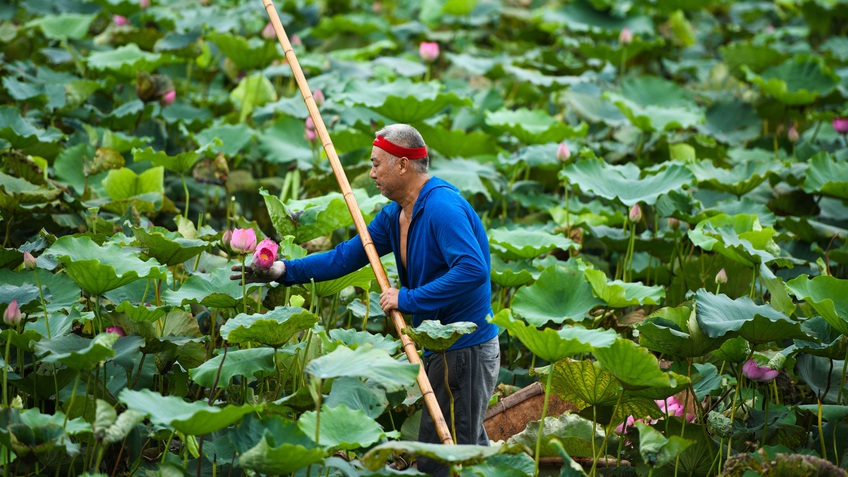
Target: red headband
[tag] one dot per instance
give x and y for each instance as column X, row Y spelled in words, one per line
column 399, row 151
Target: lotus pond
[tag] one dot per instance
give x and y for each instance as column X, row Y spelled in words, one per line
column 664, row 185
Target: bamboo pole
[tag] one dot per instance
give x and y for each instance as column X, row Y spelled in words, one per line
column 361, row 228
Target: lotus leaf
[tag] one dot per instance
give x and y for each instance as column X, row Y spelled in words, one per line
column 512, row 274
column 823, row 376
column 109, row 427
column 361, row 278
column 656, row 449
column 167, row 247
column 797, row 81
column 552, row 345
column 274, row 328
column 124, row 183
column 732, row 122
column 353, row 338
column 456, row 143
column 824, row 340
column 740, row 238
column 635, row 367
column 584, row 384
column 181, row 163
column 141, row 312
column 619, row 294
column 581, row 16
column 524, row 243
column 467, row 176
column 65, row 26
column 273, row 445
column 18, row 195
column 364, row 362
column 246, row 53
column 738, row 180
column 827, row 177
column 721, row 316
column 343, row 428
column 284, row 143
column 624, row 183
column 192, row 419
column 251, row 92
column 574, row 432
column 126, row 60
column 655, row 104
column 233, row 138
column 77, row 352
column 459, row 454
column 243, row 362
column 214, row 290
column 533, row 126
column 827, row 295
column 437, row 337
column 559, row 294
column 402, row 100
column 675, row 332
column 586, row 99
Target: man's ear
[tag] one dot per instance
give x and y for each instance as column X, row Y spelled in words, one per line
column 404, row 164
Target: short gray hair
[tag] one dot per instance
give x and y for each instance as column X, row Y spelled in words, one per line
column 405, row 135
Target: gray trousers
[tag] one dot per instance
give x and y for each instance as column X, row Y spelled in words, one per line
column 472, row 374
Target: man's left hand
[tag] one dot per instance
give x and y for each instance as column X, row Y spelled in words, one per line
column 389, row 300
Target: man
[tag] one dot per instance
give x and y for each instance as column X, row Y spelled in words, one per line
column 444, row 266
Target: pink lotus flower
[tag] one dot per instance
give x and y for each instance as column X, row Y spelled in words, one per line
column 428, row 51
column 319, row 98
column 29, row 261
column 840, row 125
column 243, row 241
column 296, row 41
column 225, row 240
column 117, row 330
column 673, row 223
column 721, row 277
column 635, row 213
column 143, row 3
column 792, row 134
column 626, row 36
column 120, row 20
column 755, row 372
column 168, row 98
column 673, row 407
column 265, row 254
column 268, row 32
column 12, row 315
column 563, row 153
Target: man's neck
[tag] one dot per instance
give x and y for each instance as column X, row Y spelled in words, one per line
column 407, row 203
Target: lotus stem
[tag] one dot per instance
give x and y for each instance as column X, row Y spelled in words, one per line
column 607, row 432
column 821, row 430
column 6, row 369
column 733, row 405
column 71, row 402
column 243, row 286
column 542, row 422
column 765, row 399
column 450, row 396
column 187, row 197
column 279, row 374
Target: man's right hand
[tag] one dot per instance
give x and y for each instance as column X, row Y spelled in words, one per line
column 258, row 275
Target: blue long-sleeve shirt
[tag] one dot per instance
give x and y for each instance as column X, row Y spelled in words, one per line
column 447, row 261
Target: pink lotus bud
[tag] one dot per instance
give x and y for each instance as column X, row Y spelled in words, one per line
column 755, row 372
column 143, row 3
column 563, row 153
column 168, row 98
column 792, row 134
column 120, row 20
column 117, row 330
column 635, row 213
column 840, row 125
column 721, row 277
column 309, row 126
column 265, row 254
column 319, row 98
column 428, row 51
column 626, row 36
column 225, row 240
column 268, row 32
column 243, row 241
column 29, row 261
column 673, row 223
column 12, row 315
column 296, row 41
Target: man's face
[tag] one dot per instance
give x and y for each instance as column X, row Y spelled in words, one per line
column 384, row 172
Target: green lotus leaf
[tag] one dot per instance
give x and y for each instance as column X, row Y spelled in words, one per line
column 354, row 22
column 251, row 92
column 732, row 122
column 615, row 52
column 353, row 338
column 552, row 345
column 234, row 138
column 720, row 316
column 581, row 16
column 822, row 375
column 64, row 26
column 213, row 290
column 402, row 100
column 20, row 133
column 524, row 243
column 377, row 457
column 559, row 294
column 739, row 55
column 625, row 183
column 270, row 458
column 181, row 163
column 167, row 247
column 361, row 278
column 533, row 126
column 619, row 294
column 797, row 81
column 126, row 60
column 574, row 432
column 468, row 175
column 655, row 104
column 24, row 294
column 658, row 450
column 827, row 177
column 537, row 78
column 587, row 101
column 274, row 328
column 827, row 295
column 457, row 143
column 357, row 395
column 829, row 412
column 436, row 337
column 98, row 269
column 635, row 367
column 512, row 274
column 364, row 362
column 242, row 362
column 10, row 258
column 191, row 418
column 737, row 180
column 35, row 418
column 246, row 53
column 584, row 384
column 675, row 332
column 740, row 238
column 343, row 428
column 141, row 313
column 824, row 339
column 124, row 183
column 77, row 352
